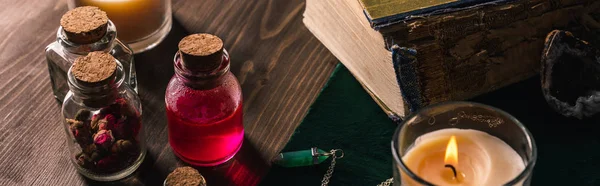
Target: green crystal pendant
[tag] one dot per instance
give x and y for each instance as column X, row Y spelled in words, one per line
column 301, row 158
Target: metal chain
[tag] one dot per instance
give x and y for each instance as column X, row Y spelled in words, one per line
column 329, row 173
column 387, row 182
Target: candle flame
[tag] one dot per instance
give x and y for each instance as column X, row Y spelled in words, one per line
column 451, row 152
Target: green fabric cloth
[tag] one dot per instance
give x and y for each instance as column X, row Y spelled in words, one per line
column 343, row 117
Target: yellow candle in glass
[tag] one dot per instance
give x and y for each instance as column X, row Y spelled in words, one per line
column 478, row 158
column 134, row 19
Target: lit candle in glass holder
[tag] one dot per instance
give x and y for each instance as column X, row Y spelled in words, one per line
column 462, row 143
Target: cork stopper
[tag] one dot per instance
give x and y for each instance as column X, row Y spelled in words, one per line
column 96, row 67
column 201, row 52
column 83, row 25
column 187, row 176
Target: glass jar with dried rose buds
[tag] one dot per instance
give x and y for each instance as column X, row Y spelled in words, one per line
column 102, row 119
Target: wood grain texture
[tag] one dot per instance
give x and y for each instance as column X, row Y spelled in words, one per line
column 281, row 66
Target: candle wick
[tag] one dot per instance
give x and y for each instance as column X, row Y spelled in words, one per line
column 451, row 167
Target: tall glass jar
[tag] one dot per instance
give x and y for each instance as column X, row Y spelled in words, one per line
column 61, row 54
column 204, row 103
column 103, row 126
column 142, row 24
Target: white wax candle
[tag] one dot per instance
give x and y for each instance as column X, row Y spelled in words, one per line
column 482, row 159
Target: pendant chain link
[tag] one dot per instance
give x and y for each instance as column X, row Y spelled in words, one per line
column 329, row 172
column 387, row 182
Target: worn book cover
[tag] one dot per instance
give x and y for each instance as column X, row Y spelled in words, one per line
column 385, row 12
column 411, row 53
column 457, row 49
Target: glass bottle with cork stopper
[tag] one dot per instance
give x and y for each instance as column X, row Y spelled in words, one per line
column 102, row 119
column 83, row 30
column 204, row 103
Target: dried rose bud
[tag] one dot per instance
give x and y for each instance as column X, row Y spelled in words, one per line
column 126, row 146
column 95, row 119
column 115, row 148
column 84, row 140
column 103, row 124
column 96, row 156
column 104, row 138
column 75, row 124
column 82, row 135
column 74, row 132
column 83, row 161
column 82, row 115
column 122, row 146
column 87, row 125
column 110, row 121
column 108, row 163
column 78, row 128
column 89, row 149
column 70, row 121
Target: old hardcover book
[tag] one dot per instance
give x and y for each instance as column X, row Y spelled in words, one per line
column 411, row 53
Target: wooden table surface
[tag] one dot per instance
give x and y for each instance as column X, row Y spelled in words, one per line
column 281, row 66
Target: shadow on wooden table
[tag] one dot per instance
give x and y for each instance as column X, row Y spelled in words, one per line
column 245, row 168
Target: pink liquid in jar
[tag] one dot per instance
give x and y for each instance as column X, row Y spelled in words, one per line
column 205, row 125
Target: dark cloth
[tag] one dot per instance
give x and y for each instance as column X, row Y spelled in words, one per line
column 345, row 117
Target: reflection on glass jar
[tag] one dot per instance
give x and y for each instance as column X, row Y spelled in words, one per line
column 142, row 24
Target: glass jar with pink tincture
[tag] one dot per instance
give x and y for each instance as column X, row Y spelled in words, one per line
column 204, row 103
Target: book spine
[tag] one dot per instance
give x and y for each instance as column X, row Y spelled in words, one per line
column 403, row 60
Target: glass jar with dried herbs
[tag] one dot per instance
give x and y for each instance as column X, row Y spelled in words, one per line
column 83, row 30
column 102, row 119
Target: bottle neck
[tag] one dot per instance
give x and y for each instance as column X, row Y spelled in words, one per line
column 105, row 43
column 201, row 79
column 97, row 95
